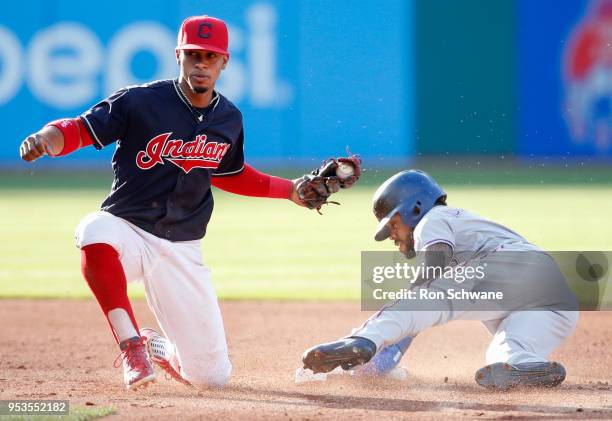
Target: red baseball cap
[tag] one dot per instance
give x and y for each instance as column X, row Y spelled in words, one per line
column 203, row 33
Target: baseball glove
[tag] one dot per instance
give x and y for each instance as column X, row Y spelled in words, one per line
column 314, row 189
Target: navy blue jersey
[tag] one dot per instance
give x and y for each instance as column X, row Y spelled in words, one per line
column 166, row 152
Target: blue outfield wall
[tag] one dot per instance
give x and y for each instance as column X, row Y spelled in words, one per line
column 311, row 78
column 565, row 78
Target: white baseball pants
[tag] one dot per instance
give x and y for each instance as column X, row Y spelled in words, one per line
column 178, row 289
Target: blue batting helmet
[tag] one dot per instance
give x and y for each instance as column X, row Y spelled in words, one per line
column 410, row 193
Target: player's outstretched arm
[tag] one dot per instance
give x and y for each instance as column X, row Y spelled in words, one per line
column 311, row 190
column 250, row 182
column 60, row 137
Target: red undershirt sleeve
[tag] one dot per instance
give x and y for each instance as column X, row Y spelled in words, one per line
column 74, row 132
column 250, row 182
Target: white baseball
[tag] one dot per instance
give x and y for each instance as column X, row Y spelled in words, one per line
column 344, row 170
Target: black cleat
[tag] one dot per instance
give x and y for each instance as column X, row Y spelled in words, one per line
column 346, row 353
column 503, row 376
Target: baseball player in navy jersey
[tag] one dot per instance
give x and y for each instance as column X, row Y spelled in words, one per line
column 174, row 139
column 542, row 312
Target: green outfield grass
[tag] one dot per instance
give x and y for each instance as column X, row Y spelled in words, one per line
column 271, row 249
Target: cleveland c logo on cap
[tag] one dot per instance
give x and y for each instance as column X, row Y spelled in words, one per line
column 204, row 30
column 203, row 33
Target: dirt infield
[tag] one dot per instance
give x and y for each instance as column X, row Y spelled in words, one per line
column 64, row 350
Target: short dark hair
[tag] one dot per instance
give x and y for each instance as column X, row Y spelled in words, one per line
column 441, row 201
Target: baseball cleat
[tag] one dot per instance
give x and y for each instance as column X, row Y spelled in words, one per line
column 345, row 353
column 504, row 376
column 161, row 351
column 137, row 369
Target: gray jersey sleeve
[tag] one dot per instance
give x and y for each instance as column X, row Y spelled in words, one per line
column 433, row 228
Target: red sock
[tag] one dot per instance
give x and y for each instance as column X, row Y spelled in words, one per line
column 102, row 269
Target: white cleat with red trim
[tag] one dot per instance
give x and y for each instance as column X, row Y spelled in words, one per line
column 162, row 353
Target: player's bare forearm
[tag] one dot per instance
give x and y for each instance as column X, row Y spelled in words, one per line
column 47, row 141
